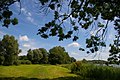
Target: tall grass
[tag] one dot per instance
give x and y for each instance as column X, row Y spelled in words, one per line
column 95, row 72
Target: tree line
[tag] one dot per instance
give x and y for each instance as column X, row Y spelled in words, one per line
column 9, row 50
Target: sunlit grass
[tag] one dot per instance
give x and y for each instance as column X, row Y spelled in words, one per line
column 35, row 71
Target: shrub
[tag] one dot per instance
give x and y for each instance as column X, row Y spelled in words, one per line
column 17, row 63
column 25, row 62
column 95, row 72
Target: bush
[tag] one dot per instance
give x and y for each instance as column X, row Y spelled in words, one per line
column 68, row 66
column 17, row 63
column 25, row 62
column 95, row 72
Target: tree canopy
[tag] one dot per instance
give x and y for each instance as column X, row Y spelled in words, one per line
column 80, row 14
column 34, row 56
column 58, row 55
column 9, row 50
column 44, row 52
column 38, row 56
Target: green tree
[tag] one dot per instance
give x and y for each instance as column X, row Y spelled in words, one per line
column 58, row 55
column 9, row 50
column 24, row 57
column 2, row 58
column 84, row 61
column 1, row 54
column 35, row 56
column 73, row 59
column 44, row 59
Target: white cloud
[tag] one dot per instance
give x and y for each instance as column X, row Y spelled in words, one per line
column 23, row 38
column 26, row 45
column 26, row 12
column 17, row 4
column 29, row 14
column 74, row 44
column 30, row 19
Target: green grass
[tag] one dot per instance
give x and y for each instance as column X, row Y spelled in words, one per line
column 35, row 71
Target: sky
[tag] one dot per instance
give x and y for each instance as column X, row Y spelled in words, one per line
column 31, row 19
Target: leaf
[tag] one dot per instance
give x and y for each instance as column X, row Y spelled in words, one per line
column 56, row 14
column 14, row 21
column 82, row 14
column 7, row 21
column 88, row 52
column 52, row 6
column 58, row 5
column 60, row 31
column 100, row 24
column 75, row 28
column 75, row 15
column 96, row 48
column 44, row 36
column 7, row 14
column 75, row 38
column 70, row 32
column 92, row 50
column 81, row 49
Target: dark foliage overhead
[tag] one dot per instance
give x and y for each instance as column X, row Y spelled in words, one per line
column 6, row 13
column 84, row 14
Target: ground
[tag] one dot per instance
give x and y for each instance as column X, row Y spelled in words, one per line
column 35, row 71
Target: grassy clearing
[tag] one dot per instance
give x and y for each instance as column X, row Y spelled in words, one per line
column 35, row 71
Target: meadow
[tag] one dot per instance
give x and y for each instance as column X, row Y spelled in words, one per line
column 42, row 72
column 74, row 71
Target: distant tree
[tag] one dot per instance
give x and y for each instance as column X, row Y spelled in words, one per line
column 73, row 59
column 30, row 55
column 84, row 60
column 2, row 58
column 9, row 50
column 44, row 59
column 34, row 56
column 1, row 54
column 67, row 58
column 58, row 55
column 24, row 57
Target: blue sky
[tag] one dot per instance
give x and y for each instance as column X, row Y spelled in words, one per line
column 30, row 20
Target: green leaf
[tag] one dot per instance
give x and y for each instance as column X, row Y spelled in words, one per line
column 100, row 24
column 7, row 21
column 75, row 38
column 52, row 6
column 14, row 21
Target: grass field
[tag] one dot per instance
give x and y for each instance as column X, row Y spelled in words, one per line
column 35, row 71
